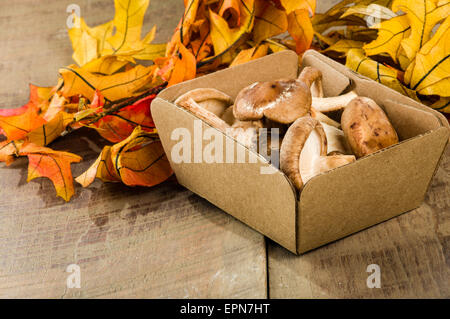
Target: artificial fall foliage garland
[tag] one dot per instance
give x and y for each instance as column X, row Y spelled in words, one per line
column 108, row 91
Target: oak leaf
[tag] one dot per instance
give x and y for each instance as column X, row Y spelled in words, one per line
column 429, row 74
column 55, row 165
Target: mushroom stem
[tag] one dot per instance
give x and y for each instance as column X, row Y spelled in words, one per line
column 207, row 116
column 312, row 77
column 328, row 104
column 323, row 118
column 336, row 142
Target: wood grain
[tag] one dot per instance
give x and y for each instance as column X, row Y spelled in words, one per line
column 129, row 242
column 412, row 250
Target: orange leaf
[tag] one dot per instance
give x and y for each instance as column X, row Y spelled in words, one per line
column 184, row 68
column 143, row 166
column 118, row 126
column 78, row 81
column 102, row 168
column 137, row 160
column 250, row 54
column 18, row 126
column 8, row 151
column 231, row 12
column 301, row 30
column 269, row 21
column 55, row 165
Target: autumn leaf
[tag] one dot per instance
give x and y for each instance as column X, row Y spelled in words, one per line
column 292, row 5
column 422, row 15
column 102, row 168
column 84, row 44
column 77, row 81
column 442, row 105
column 128, row 22
column 48, row 132
column 138, row 160
column 9, row 150
column 55, row 165
column 359, row 62
column 184, row 67
column 301, row 29
column 390, row 36
column 342, row 47
column 223, row 37
column 429, row 74
column 118, row 126
column 18, row 126
column 145, row 166
column 250, row 54
column 269, row 21
column 108, row 64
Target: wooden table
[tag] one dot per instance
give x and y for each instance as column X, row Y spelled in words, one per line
column 165, row 241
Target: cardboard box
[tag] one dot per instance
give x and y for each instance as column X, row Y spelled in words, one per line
column 332, row 205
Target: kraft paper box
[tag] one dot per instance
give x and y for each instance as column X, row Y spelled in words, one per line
column 331, row 205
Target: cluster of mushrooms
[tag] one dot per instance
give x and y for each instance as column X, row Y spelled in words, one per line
column 311, row 141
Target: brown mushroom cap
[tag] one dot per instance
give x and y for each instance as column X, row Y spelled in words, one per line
column 366, row 127
column 212, row 100
column 282, row 101
column 303, row 143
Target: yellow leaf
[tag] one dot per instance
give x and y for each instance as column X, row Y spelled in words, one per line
column 292, row 5
column 108, row 64
column 55, row 165
column 372, row 10
column 223, row 37
column 423, row 15
column 151, row 52
column 102, row 168
column 430, row 72
column 51, row 130
column 357, row 61
column 301, row 30
column 113, row 87
column 275, row 46
column 83, row 43
column 190, row 13
column 250, row 54
column 390, row 35
column 137, row 160
column 269, row 21
column 442, row 105
column 343, row 46
column 128, row 22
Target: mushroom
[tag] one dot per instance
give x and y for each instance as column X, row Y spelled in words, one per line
column 366, row 127
column 228, row 116
column 246, row 132
column 334, row 103
column 282, row 101
column 202, row 113
column 312, row 77
column 303, row 152
column 323, row 118
column 210, row 99
column 303, row 144
column 336, row 142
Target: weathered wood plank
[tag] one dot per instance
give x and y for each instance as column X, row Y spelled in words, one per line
column 412, row 250
column 129, row 242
